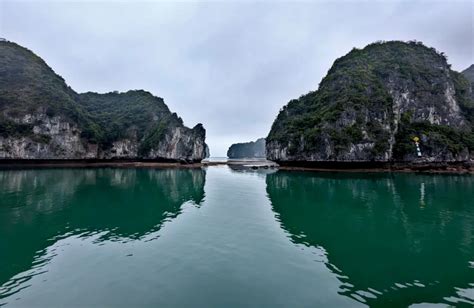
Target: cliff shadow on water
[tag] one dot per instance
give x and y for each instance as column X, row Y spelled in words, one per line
column 39, row 207
column 391, row 239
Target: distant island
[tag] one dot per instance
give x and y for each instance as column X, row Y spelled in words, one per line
column 42, row 118
column 388, row 102
column 253, row 149
column 469, row 74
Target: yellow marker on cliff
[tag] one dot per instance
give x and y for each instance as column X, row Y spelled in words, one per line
column 417, row 140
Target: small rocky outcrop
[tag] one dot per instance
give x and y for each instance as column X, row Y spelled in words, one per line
column 253, row 149
column 43, row 118
column 371, row 105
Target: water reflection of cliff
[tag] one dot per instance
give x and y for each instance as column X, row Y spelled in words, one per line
column 40, row 206
column 392, row 240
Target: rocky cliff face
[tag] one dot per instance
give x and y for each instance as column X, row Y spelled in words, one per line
column 42, row 118
column 253, row 149
column 469, row 74
column 371, row 105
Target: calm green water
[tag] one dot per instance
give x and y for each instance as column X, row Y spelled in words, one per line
column 226, row 238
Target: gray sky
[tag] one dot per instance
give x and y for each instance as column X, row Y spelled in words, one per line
column 228, row 65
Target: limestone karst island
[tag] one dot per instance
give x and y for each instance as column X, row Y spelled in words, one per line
column 236, row 154
column 374, row 104
column 42, row 118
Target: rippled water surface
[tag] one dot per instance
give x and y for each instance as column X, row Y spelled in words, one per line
column 219, row 237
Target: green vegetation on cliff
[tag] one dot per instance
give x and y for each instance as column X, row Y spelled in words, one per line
column 361, row 100
column 133, row 114
column 28, row 86
column 467, row 85
column 252, row 149
column 469, row 73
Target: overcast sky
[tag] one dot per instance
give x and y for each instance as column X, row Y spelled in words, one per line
column 228, row 65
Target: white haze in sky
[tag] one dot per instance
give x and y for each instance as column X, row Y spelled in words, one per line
column 228, row 65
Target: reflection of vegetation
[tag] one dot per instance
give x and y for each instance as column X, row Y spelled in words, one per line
column 40, row 205
column 383, row 232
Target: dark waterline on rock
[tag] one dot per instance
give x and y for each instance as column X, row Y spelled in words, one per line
column 222, row 236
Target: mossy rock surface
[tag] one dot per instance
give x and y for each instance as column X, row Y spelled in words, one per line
column 30, row 88
column 370, row 104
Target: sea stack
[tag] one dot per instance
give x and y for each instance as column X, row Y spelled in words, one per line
column 373, row 105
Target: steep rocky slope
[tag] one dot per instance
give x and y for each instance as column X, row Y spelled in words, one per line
column 469, row 74
column 253, row 149
column 43, row 118
column 371, row 105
